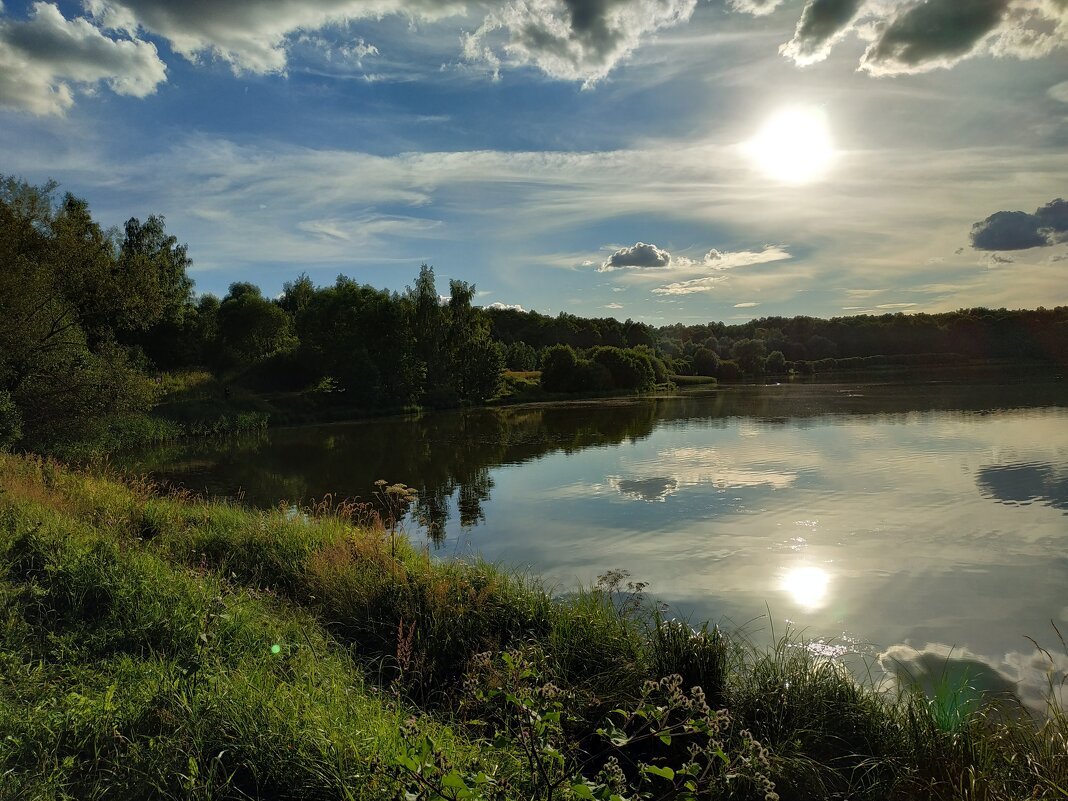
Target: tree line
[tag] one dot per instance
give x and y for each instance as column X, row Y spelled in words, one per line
column 89, row 317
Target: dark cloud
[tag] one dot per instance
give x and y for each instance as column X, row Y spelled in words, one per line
column 642, row 255
column 45, row 58
column 822, row 23
column 935, row 32
column 1018, row 230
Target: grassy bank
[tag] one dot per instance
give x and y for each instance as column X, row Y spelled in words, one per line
column 159, row 646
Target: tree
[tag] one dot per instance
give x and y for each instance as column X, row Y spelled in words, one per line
column 775, row 363
column 62, row 373
column 750, row 355
column 519, row 356
column 558, row 364
column 705, row 362
column 251, row 328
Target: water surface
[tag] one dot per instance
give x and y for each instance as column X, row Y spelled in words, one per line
column 924, row 523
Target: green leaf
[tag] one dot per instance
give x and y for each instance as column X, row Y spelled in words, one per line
column 665, row 739
column 583, row 792
column 663, row 773
column 453, row 781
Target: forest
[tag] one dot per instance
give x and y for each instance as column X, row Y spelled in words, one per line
column 93, row 318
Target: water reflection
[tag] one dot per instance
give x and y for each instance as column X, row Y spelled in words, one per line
column 1033, row 678
column 645, row 489
column 1024, row 483
column 866, row 500
column 807, row 586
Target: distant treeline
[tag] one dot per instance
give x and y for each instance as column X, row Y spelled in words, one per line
column 806, row 344
column 90, row 318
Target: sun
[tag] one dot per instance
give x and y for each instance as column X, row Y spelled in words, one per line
column 807, row 586
column 793, row 146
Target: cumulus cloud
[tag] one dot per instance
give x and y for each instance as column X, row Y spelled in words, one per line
column 571, row 39
column 941, row 33
column 641, row 256
column 505, row 306
column 923, row 35
column 46, row 58
column 822, row 23
column 1018, row 230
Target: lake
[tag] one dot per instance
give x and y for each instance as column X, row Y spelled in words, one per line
column 924, row 524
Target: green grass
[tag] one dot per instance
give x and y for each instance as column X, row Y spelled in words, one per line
column 693, row 380
column 161, row 646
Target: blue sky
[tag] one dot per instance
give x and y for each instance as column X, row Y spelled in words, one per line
column 664, row 160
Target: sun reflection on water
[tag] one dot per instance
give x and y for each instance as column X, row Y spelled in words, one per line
column 807, row 586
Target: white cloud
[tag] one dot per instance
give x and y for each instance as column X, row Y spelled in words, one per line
column 756, row 7
column 47, row 58
column 614, row 306
column 251, row 35
column 746, row 305
column 568, row 39
column 505, row 306
column 571, row 39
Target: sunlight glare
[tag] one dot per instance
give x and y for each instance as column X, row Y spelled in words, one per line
column 807, row 586
column 793, row 146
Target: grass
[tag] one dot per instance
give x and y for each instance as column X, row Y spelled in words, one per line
column 160, row 646
column 693, row 380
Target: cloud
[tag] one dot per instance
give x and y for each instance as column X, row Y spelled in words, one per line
column 46, row 58
column 746, row 305
column 1018, row 230
column 941, row 33
column 505, row 306
column 250, row 35
column 642, row 256
column 1059, row 91
column 717, row 263
column 690, row 287
column 571, row 39
column 614, row 306
column 1028, row 677
column 367, row 229
column 921, row 35
column 822, row 24
column 756, row 7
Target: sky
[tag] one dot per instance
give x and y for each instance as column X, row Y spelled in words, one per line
column 659, row 160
